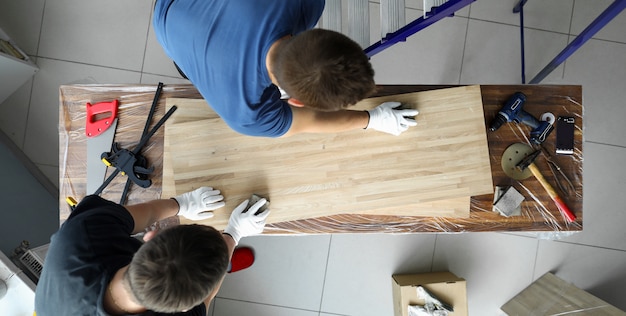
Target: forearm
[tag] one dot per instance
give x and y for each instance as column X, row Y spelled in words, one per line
column 230, row 243
column 145, row 214
column 311, row 121
column 340, row 121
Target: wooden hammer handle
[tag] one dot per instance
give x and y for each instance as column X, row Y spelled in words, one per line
column 555, row 196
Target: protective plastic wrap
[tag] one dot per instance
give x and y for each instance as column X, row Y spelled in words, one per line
column 538, row 211
column 135, row 102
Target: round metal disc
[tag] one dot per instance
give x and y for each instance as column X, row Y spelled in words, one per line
column 512, row 156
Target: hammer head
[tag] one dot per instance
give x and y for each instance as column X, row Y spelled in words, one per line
column 527, row 161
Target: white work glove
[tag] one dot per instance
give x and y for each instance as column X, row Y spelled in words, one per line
column 244, row 224
column 385, row 119
column 198, row 204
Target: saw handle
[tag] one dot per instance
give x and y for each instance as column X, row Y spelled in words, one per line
column 95, row 126
column 555, row 197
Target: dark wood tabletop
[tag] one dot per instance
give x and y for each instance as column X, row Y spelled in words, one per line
column 539, row 212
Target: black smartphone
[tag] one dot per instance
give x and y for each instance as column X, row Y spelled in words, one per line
column 565, row 135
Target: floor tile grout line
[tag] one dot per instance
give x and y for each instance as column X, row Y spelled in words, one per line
column 145, row 46
column 563, row 241
column 534, row 269
column 432, row 259
column 165, row 76
column 43, row 13
column 571, row 22
column 586, row 245
column 106, row 67
column 32, row 86
column 517, row 26
column 87, row 64
column 332, row 314
column 22, row 144
column 330, row 242
column 605, row 144
column 571, row 19
column 265, row 304
column 560, row 240
column 543, row 30
column 602, row 40
column 464, row 45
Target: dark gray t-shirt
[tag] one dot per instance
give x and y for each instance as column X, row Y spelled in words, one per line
column 92, row 244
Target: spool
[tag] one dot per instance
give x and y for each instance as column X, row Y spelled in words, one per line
column 548, row 117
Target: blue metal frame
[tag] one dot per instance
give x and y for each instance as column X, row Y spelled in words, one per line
column 603, row 19
column 519, row 8
column 438, row 13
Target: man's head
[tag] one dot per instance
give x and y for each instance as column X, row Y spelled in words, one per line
column 178, row 268
column 323, row 69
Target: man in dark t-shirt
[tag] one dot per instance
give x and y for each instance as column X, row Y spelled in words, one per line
column 95, row 267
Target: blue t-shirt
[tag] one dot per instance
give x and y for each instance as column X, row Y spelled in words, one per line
column 221, row 47
column 93, row 243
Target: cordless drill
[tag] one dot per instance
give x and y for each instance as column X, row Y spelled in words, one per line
column 512, row 112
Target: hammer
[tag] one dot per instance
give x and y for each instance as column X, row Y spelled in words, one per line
column 529, row 162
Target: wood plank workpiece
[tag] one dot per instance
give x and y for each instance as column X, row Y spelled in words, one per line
column 430, row 170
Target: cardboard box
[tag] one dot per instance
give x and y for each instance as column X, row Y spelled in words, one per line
column 550, row 295
column 446, row 286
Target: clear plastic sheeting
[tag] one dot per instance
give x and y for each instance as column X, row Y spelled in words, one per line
column 538, row 212
column 135, row 102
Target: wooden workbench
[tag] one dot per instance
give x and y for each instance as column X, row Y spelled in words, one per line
column 538, row 211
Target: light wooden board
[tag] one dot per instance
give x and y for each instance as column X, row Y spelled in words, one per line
column 438, row 164
column 550, row 295
column 193, row 110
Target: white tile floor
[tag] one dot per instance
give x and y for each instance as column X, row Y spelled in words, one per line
column 112, row 42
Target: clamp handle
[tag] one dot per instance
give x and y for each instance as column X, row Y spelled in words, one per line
column 129, row 164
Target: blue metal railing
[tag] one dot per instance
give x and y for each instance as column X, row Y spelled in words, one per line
column 436, row 14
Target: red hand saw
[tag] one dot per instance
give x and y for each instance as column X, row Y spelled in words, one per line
column 97, row 119
column 100, row 130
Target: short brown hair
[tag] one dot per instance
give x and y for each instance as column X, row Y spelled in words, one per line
column 178, row 268
column 323, row 69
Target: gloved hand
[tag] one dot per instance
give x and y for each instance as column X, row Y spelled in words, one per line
column 198, row 204
column 243, row 224
column 385, row 119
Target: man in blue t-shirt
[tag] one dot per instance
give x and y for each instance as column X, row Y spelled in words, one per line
column 238, row 53
column 95, row 267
